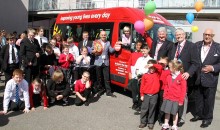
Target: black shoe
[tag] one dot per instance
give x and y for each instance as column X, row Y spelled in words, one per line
column 65, row 103
column 160, row 123
column 195, row 118
column 141, row 126
column 137, row 113
column 134, row 106
column 86, row 103
column 111, row 95
column 180, row 124
column 205, row 124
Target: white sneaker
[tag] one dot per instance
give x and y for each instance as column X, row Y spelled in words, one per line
column 174, row 127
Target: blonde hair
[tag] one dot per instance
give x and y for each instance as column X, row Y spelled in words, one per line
column 69, row 40
column 58, row 74
column 177, row 65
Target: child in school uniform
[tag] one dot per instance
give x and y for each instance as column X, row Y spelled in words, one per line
column 174, row 94
column 165, row 72
column 65, row 61
column 133, row 81
column 37, row 93
column 83, row 89
column 150, row 86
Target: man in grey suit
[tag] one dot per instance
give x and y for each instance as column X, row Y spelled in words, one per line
column 102, row 64
column 207, row 78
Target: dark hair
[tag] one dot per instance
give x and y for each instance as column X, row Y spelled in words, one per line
column 145, row 46
column 152, row 62
column 10, row 36
column 38, row 80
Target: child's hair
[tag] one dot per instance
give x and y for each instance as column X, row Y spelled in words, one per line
column 18, row 72
column 48, row 48
column 86, row 72
column 152, row 62
column 145, row 46
column 177, row 65
column 69, row 40
column 164, row 58
column 65, row 46
column 38, row 80
column 57, row 75
column 84, row 47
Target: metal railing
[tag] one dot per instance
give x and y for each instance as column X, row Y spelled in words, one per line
column 49, row 5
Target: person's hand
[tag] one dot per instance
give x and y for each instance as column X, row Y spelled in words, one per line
column 3, row 112
column 45, row 108
column 149, row 65
column 130, row 76
column 185, row 75
column 88, row 84
column 180, row 104
column 59, row 97
column 26, row 110
column 119, row 43
column 207, row 69
column 84, row 99
column 67, row 57
column 37, row 55
column 142, row 98
column 33, row 109
column 30, row 63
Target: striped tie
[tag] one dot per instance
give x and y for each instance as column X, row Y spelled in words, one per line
column 178, row 51
column 17, row 94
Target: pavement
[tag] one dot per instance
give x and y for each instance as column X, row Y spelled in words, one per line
column 104, row 113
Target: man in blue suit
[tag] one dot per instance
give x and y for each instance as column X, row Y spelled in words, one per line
column 207, row 78
column 102, row 63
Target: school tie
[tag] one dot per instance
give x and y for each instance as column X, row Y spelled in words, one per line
column 178, row 51
column 13, row 55
column 41, row 42
column 17, row 94
column 84, row 43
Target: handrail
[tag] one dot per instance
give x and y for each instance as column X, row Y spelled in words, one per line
column 50, row 5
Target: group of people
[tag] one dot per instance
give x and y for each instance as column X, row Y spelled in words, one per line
column 26, row 64
column 161, row 76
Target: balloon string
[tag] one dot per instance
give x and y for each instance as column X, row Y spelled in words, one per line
column 196, row 16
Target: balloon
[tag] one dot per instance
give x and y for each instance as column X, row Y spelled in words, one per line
column 199, row 5
column 194, row 28
column 190, row 17
column 149, row 7
column 139, row 26
column 148, row 23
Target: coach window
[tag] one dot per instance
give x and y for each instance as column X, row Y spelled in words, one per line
column 126, row 35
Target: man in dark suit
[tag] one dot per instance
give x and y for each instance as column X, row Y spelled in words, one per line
column 186, row 52
column 30, row 53
column 9, row 57
column 162, row 47
column 207, row 78
column 86, row 42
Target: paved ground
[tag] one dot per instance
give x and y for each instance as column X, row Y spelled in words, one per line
column 103, row 114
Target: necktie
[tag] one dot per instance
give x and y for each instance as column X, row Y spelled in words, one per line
column 41, row 42
column 13, row 55
column 17, row 94
column 178, row 51
column 84, row 43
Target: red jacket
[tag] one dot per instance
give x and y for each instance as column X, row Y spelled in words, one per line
column 175, row 90
column 43, row 96
column 63, row 62
column 133, row 59
column 163, row 78
column 150, row 83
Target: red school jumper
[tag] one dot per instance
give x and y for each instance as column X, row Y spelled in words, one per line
column 42, row 95
column 163, row 78
column 150, row 83
column 63, row 62
column 175, row 90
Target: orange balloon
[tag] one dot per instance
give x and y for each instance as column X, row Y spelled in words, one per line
column 148, row 23
column 199, row 5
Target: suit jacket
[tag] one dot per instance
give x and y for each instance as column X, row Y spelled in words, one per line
column 164, row 49
column 89, row 44
column 4, row 56
column 28, row 52
column 212, row 58
column 105, row 52
column 189, row 58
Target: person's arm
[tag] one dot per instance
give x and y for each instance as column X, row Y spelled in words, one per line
column 49, row 89
column 79, row 59
column 2, row 53
column 62, row 59
column 23, row 51
column 159, row 68
column 216, row 66
column 44, row 98
column 71, row 58
column 7, row 95
column 143, row 81
column 31, row 96
column 194, row 60
column 26, row 96
column 111, row 49
column 183, row 91
column 66, row 91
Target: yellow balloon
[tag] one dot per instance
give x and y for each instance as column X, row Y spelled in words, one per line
column 148, row 23
column 199, row 5
column 194, row 28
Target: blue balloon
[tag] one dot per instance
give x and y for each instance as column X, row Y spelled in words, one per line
column 190, row 17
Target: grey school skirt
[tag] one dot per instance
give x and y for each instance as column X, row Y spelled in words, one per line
column 170, row 107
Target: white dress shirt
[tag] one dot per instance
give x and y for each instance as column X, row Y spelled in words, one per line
column 56, row 50
column 159, row 44
column 10, row 93
column 10, row 61
column 44, row 40
column 74, row 51
column 204, row 51
column 141, row 63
